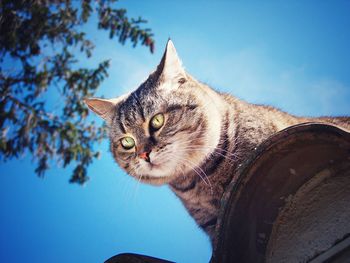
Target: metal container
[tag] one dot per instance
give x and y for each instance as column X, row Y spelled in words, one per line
column 291, row 201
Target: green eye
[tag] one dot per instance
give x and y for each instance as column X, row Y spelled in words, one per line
column 127, row 143
column 157, row 121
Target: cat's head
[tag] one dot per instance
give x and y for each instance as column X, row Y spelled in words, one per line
column 163, row 129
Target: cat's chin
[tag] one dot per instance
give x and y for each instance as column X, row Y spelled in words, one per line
column 154, row 173
column 155, row 180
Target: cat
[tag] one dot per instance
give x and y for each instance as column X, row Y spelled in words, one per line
column 175, row 130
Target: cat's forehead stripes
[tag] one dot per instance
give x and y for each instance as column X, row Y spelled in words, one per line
column 132, row 111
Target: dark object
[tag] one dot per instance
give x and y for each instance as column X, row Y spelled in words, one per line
column 134, row 258
column 290, row 202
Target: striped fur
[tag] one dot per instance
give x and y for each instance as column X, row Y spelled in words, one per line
column 206, row 135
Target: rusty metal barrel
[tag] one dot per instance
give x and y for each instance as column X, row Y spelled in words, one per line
column 291, row 201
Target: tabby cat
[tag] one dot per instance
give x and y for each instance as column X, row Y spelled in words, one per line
column 175, row 130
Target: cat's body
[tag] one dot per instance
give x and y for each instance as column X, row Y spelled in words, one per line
column 175, row 130
column 243, row 127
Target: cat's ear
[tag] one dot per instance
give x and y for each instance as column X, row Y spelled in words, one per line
column 171, row 65
column 105, row 108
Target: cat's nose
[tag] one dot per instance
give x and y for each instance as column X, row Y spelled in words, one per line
column 145, row 156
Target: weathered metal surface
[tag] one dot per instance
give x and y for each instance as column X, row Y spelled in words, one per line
column 273, row 210
column 339, row 253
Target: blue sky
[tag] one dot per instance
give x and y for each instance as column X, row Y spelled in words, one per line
column 289, row 54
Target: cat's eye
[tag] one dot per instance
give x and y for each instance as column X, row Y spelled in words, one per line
column 127, row 143
column 157, row 121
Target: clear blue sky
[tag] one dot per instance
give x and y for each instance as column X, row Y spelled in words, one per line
column 289, row 54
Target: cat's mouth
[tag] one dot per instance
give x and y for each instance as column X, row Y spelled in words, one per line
column 153, row 165
column 156, row 170
column 156, row 166
column 155, row 173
